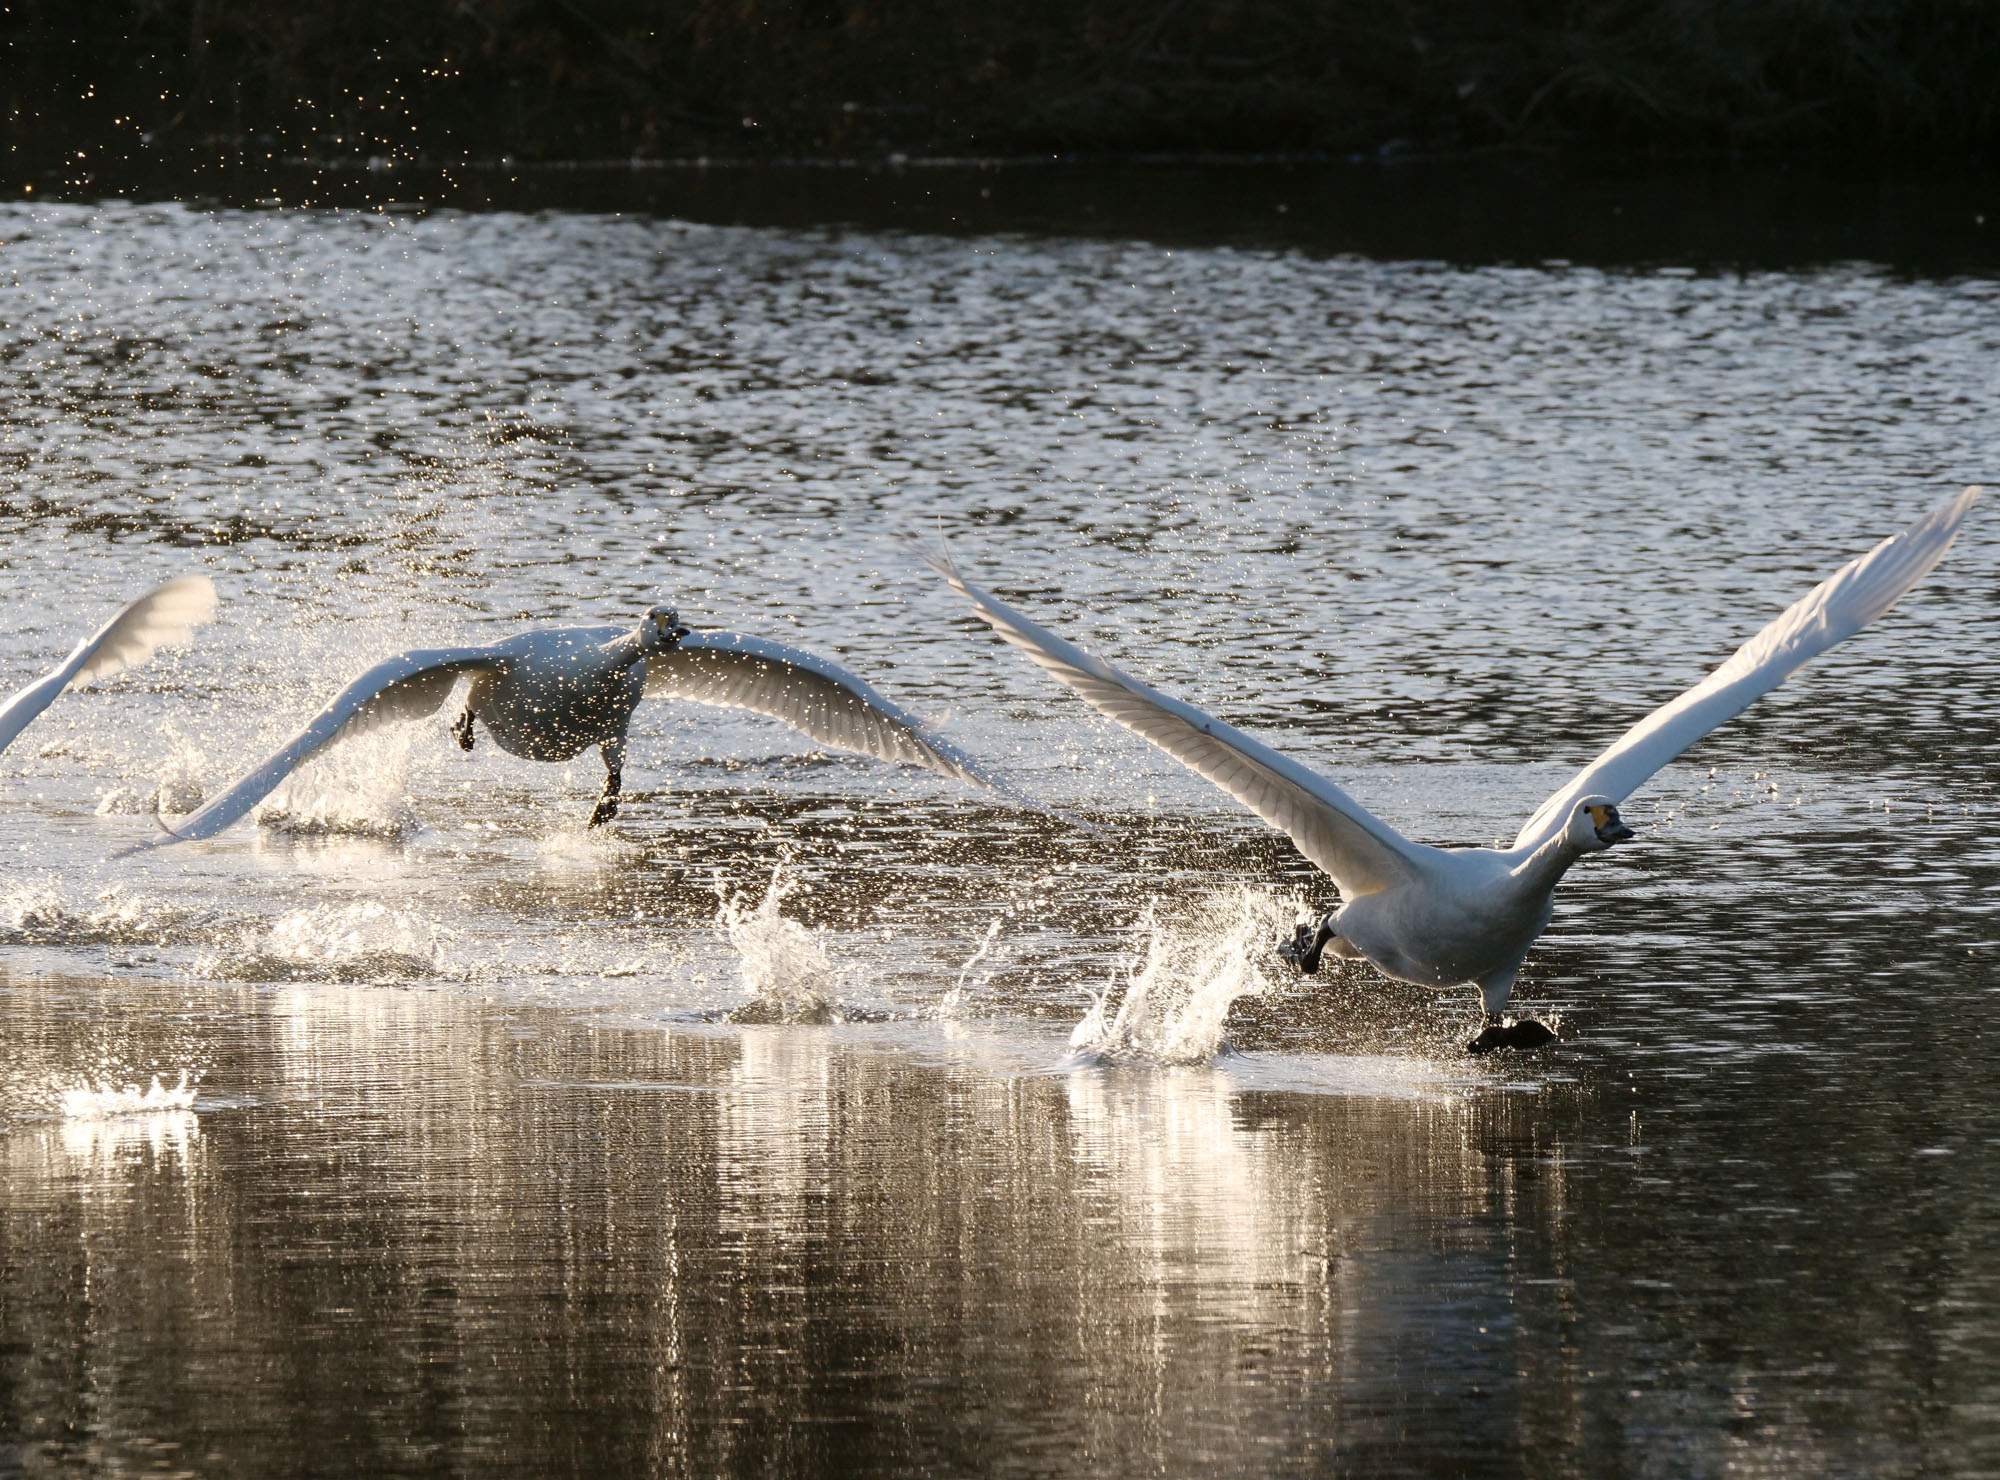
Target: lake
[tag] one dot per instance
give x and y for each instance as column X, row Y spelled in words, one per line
column 783, row 1127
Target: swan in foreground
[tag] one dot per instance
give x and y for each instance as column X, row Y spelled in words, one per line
column 1440, row 916
column 163, row 616
column 551, row 695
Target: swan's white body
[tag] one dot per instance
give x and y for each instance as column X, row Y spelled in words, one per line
column 163, row 616
column 1438, row 916
column 550, row 695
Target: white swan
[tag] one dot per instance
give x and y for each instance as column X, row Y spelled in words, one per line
column 164, row 615
column 1439, row 916
column 550, row 695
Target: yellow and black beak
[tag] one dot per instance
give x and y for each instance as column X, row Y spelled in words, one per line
column 1610, row 828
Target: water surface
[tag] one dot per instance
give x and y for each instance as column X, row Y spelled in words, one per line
column 748, row 1138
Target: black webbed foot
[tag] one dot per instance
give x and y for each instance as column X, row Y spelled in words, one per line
column 1523, row 1034
column 463, row 730
column 1307, row 945
column 1295, row 950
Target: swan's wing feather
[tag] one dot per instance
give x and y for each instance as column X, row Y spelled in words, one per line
column 420, row 695
column 20, row 711
column 1358, row 850
column 407, row 686
column 166, row 614
column 1837, row 608
column 808, row 692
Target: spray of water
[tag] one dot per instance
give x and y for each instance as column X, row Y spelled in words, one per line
column 177, row 787
column 368, row 941
column 953, row 1002
column 1176, row 999
column 586, row 849
column 355, row 788
column 107, row 1122
column 782, row 963
column 89, row 1101
column 37, row 912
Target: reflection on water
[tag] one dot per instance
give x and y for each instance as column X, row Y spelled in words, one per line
column 713, row 1238
column 427, row 1235
column 505, row 1154
column 157, row 1133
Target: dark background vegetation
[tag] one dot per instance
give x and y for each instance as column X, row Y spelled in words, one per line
column 89, row 83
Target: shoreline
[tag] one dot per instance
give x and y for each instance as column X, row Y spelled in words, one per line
column 1738, row 213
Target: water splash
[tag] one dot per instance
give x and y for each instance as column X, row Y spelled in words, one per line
column 368, row 941
column 38, row 913
column 953, row 1002
column 178, row 788
column 1175, row 1006
column 104, row 1122
column 586, row 848
column 357, row 788
column 87, row 1101
column 782, row 964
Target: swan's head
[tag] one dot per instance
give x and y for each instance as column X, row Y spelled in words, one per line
column 663, row 627
column 1595, row 825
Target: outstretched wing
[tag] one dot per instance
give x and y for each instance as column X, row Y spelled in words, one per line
column 1361, row 852
column 407, row 686
column 809, row 693
column 1837, row 608
column 166, row 614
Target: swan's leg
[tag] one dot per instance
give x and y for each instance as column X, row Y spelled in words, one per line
column 1494, row 991
column 613, row 752
column 1308, row 944
column 463, row 729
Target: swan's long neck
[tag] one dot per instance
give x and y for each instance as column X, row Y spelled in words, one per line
column 1542, row 870
column 634, row 645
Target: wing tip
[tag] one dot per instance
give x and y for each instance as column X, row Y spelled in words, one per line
column 207, row 597
column 147, row 845
column 1929, row 538
column 1947, row 516
column 938, row 558
column 194, row 598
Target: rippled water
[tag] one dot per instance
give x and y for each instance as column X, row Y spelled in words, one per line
column 823, row 1117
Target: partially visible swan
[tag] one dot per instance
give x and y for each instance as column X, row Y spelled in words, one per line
column 164, row 615
column 551, row 695
column 1438, row 916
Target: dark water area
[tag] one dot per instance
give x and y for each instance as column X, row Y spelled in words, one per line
column 1753, row 213
column 784, row 1127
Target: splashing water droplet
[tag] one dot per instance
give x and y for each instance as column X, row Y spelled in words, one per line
column 953, row 1001
column 578, row 847
column 367, row 941
column 178, row 786
column 96, row 1102
column 356, row 788
column 1175, row 1006
column 781, row 962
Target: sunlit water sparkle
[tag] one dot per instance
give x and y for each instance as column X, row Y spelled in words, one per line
column 773, row 1130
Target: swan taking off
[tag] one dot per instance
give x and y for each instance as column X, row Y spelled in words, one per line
column 1439, row 916
column 551, row 695
column 164, row 615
